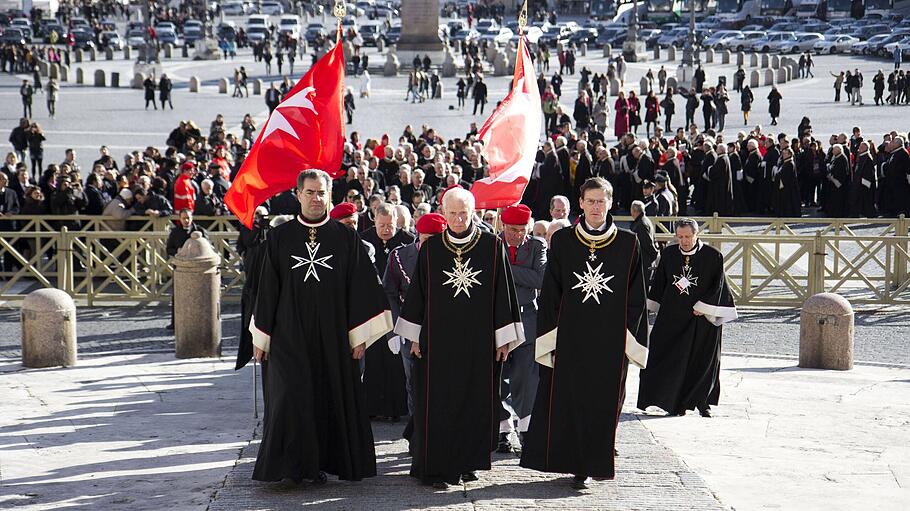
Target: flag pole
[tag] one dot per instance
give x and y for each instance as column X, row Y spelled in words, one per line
column 339, row 11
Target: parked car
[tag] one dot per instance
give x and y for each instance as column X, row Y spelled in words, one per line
column 135, row 38
column 719, row 39
column 773, row 41
column 370, row 33
column 862, row 47
column 49, row 27
column 271, row 8
column 257, row 34
column 878, row 48
column 12, row 36
column 867, row 31
column 675, row 37
column 804, row 42
column 167, row 37
column 289, row 25
column 483, row 25
column 112, row 40
column 191, row 34
column 461, row 35
column 585, row 35
column 393, row 35
column 499, row 35
column 84, row 40
column 313, row 31
column 842, row 43
column 233, row 8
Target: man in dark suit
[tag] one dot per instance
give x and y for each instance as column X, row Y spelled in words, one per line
column 480, row 95
column 397, row 279
column 528, row 258
column 176, row 239
column 644, row 230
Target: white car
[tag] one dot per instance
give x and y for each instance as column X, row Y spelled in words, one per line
column 271, row 8
column 233, row 8
column 258, row 20
column 773, row 41
column 804, row 42
column 835, row 44
column 903, row 44
column 720, row 38
column 862, row 47
column 483, row 25
column 290, row 24
column 500, row 35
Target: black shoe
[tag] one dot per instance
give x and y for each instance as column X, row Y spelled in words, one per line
column 468, row 477
column 440, row 485
column 170, row 326
column 580, row 482
column 705, row 411
column 504, row 446
column 679, row 413
column 321, row 478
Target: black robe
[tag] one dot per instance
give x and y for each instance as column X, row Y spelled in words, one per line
column 752, row 181
column 383, row 374
column 837, row 196
column 315, row 303
column 684, row 363
column 250, row 246
column 895, row 184
column 455, row 425
column 584, row 337
column 720, row 190
column 785, row 196
column 862, row 187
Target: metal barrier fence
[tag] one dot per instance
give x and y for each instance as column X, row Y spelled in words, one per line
column 769, row 262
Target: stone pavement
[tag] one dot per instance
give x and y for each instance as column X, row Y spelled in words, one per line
column 146, row 431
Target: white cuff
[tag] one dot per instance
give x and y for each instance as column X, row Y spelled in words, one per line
column 261, row 339
column 523, row 424
column 653, row 306
column 835, row 181
column 370, row 330
column 636, row 353
column 512, row 334
column 407, row 329
column 716, row 315
column 544, row 348
column 750, row 179
column 867, row 183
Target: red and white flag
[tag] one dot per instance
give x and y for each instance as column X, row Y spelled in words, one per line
column 511, row 137
column 305, row 131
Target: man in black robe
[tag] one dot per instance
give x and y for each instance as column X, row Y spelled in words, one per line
column 462, row 310
column 528, row 259
column 591, row 318
column 753, row 176
column 644, row 170
column 720, row 184
column 319, row 306
column 839, row 177
column 769, row 161
column 785, row 195
column 692, row 301
column 250, row 247
column 383, row 375
column 863, row 185
column 896, row 180
column 551, row 181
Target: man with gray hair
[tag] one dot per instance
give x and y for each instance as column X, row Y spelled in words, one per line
column 559, row 207
column 318, row 308
column 461, row 313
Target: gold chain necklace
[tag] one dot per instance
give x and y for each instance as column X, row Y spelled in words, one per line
column 593, row 245
column 458, row 250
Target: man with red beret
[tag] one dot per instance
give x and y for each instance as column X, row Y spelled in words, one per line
column 346, row 213
column 528, row 258
column 398, row 274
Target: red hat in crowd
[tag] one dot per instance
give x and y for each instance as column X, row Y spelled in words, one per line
column 444, row 192
column 431, row 223
column 187, row 165
column 516, row 215
column 343, row 210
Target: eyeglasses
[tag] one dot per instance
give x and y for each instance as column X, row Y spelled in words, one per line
column 593, row 202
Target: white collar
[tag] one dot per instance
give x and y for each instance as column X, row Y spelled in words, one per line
column 461, row 241
column 597, row 237
column 310, row 224
column 694, row 249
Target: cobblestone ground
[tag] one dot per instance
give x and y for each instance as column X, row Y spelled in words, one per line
column 649, row 476
column 882, row 336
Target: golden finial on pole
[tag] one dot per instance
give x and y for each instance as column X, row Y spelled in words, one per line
column 339, row 11
column 523, row 18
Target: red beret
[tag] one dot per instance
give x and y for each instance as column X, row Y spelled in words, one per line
column 516, row 215
column 187, row 165
column 343, row 210
column 431, row 223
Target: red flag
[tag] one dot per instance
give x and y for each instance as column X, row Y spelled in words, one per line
column 305, row 131
column 511, row 136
